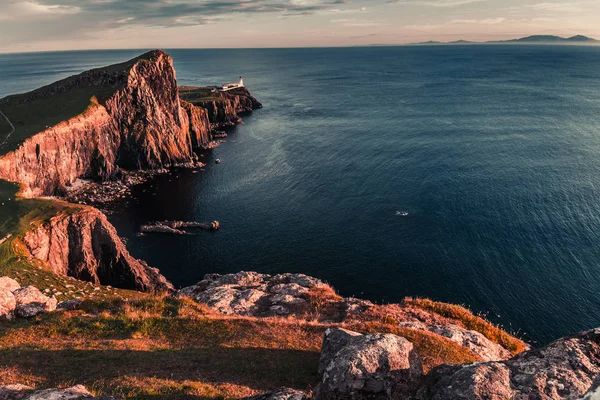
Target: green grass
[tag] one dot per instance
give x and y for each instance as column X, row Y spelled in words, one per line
column 198, row 95
column 35, row 115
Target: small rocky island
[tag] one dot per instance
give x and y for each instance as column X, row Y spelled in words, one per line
column 77, row 309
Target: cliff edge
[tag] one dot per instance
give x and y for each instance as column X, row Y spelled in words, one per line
column 94, row 125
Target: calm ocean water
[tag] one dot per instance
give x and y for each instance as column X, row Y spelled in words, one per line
column 493, row 151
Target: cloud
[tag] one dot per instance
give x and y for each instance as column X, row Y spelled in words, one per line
column 435, row 3
column 162, row 12
column 484, row 21
column 31, row 10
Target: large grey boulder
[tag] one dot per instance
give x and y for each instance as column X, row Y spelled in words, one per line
column 280, row 394
column 31, row 302
column 375, row 366
column 334, row 340
column 565, row 369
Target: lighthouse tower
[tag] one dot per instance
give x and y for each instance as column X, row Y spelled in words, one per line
column 241, row 82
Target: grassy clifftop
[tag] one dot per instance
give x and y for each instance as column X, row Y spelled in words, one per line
column 163, row 347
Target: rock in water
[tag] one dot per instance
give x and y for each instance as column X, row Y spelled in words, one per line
column 375, row 366
column 565, row 369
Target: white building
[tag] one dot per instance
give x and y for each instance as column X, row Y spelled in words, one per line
column 231, row 86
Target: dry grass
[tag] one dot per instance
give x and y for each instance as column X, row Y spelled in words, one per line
column 163, row 347
column 466, row 319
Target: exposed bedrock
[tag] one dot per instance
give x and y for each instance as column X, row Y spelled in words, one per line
column 84, row 245
column 224, row 111
column 263, row 295
column 383, row 366
column 565, row 369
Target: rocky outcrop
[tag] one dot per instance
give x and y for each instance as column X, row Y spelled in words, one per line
column 84, row 245
column 565, row 369
column 137, row 121
column 223, row 108
column 254, row 294
column 199, row 125
column 375, row 366
column 472, row 340
column 263, row 295
column 31, row 302
column 280, row 394
column 22, row 392
column 24, row 302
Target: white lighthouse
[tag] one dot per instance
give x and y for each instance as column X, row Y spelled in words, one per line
column 231, row 86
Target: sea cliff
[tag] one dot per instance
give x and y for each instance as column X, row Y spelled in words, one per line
column 133, row 119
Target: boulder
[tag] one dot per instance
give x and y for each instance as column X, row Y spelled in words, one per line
column 7, row 303
column 565, row 369
column 472, row 340
column 334, row 340
column 280, row 394
column 22, row 392
column 14, row 392
column 374, row 366
column 31, row 302
column 9, row 284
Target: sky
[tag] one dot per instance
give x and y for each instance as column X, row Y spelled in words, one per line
column 46, row 25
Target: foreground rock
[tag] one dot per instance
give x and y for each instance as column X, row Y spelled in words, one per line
column 565, row 369
column 472, row 340
column 375, row 366
column 254, row 294
column 22, row 392
column 85, row 246
column 31, row 302
column 28, row 302
column 280, row 394
column 263, row 295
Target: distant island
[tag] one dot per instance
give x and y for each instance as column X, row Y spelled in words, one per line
column 545, row 39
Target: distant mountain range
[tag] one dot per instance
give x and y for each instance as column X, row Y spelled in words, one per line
column 529, row 39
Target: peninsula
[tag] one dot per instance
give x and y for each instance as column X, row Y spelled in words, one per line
column 77, row 308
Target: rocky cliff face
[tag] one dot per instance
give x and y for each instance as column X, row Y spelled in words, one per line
column 143, row 124
column 137, row 121
column 225, row 109
column 84, row 245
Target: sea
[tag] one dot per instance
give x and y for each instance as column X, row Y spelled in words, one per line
column 466, row 174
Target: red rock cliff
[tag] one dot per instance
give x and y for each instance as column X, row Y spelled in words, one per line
column 141, row 125
column 86, row 246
